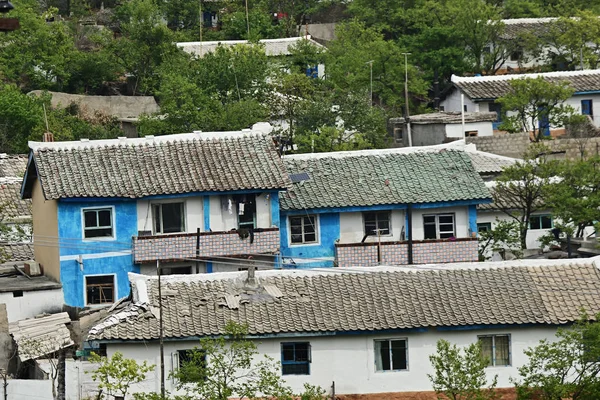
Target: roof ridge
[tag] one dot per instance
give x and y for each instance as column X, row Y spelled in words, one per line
column 554, row 74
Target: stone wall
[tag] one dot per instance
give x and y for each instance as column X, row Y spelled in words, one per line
column 509, row 145
column 396, row 253
column 573, row 148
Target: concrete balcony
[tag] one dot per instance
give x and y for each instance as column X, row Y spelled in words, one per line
column 182, row 246
column 396, row 253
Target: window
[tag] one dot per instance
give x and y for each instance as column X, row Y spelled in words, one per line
column 193, row 364
column 438, row 226
column 303, row 229
column 465, row 108
column 484, row 227
column 516, row 55
column 496, row 349
column 540, row 222
column 100, row 289
column 295, row 358
column 246, row 209
column 391, row 355
column 587, row 108
column 471, row 133
column 184, row 270
column 97, row 223
column 168, row 217
column 377, row 223
column 442, row 108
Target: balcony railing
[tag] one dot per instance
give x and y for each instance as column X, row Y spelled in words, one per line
column 396, row 253
column 183, row 246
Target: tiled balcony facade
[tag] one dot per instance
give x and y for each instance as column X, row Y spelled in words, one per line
column 183, row 246
column 396, row 253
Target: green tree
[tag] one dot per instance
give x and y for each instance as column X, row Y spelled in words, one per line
column 573, row 195
column 535, row 102
column 565, row 368
column 226, row 366
column 459, row 374
column 503, row 238
column 116, row 374
column 519, row 190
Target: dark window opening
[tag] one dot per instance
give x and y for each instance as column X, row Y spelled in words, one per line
column 295, row 358
column 471, row 133
column 540, row 222
column 303, row 229
column 484, row 227
column 587, row 107
column 100, row 289
column 169, row 217
column 246, row 210
column 438, row 226
column 377, row 223
column 97, row 223
column 187, row 270
column 391, row 355
column 17, row 293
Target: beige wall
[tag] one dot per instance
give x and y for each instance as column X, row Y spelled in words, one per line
column 45, row 230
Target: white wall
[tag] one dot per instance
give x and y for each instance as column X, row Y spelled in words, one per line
column 482, row 128
column 263, row 211
column 452, row 102
column 461, row 220
column 193, row 207
column 32, row 303
column 533, row 235
column 349, row 360
column 352, row 227
column 575, row 102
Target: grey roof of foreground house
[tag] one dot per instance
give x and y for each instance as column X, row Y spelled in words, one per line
column 377, row 177
column 359, row 299
column 491, row 87
column 273, row 47
column 133, row 168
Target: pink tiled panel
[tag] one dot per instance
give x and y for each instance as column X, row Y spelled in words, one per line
column 176, row 247
column 424, row 252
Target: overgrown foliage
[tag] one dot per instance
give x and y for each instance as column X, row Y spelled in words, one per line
column 116, row 374
column 568, row 368
column 460, row 374
column 503, row 239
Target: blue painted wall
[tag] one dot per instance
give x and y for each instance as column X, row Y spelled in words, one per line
column 100, row 257
column 329, row 232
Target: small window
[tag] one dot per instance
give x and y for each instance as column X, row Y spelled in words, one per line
column 587, row 107
column 100, row 289
column 186, row 270
column 438, row 226
column 295, row 358
column 487, row 50
column 495, row 349
column 484, row 227
column 303, row 229
column 496, row 108
column 377, row 223
column 465, row 108
column 246, row 210
column 442, row 108
column 471, row 133
column 391, row 355
column 17, row 293
column 169, row 217
column 97, row 223
column 540, row 222
column 246, row 269
column 516, row 55
column 192, row 363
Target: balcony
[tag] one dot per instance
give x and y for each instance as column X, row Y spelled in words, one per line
column 210, row 244
column 396, row 253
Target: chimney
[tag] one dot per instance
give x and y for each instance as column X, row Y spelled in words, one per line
column 48, row 137
column 251, row 280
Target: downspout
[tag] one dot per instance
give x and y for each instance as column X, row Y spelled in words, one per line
column 409, row 230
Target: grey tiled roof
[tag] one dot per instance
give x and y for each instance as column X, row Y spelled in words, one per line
column 536, row 292
column 11, row 204
column 451, row 117
column 16, row 251
column 516, row 28
column 365, row 178
column 219, row 161
column 12, row 165
column 489, row 163
column 492, row 87
column 37, row 337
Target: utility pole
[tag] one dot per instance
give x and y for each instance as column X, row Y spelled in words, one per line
column 247, row 20
column 160, row 335
column 371, row 79
column 4, row 375
column 406, row 98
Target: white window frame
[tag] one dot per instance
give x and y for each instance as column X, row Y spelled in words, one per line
column 160, row 203
column 115, row 288
column 493, row 360
column 391, row 362
column 389, row 213
column 317, row 230
column 540, row 219
column 112, row 221
column 437, row 225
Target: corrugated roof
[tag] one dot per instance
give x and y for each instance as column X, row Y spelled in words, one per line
column 133, row 168
column 37, row 337
column 362, row 299
column 273, row 47
column 365, row 178
column 492, row 87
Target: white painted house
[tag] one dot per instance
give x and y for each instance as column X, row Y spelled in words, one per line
column 480, row 93
column 368, row 330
